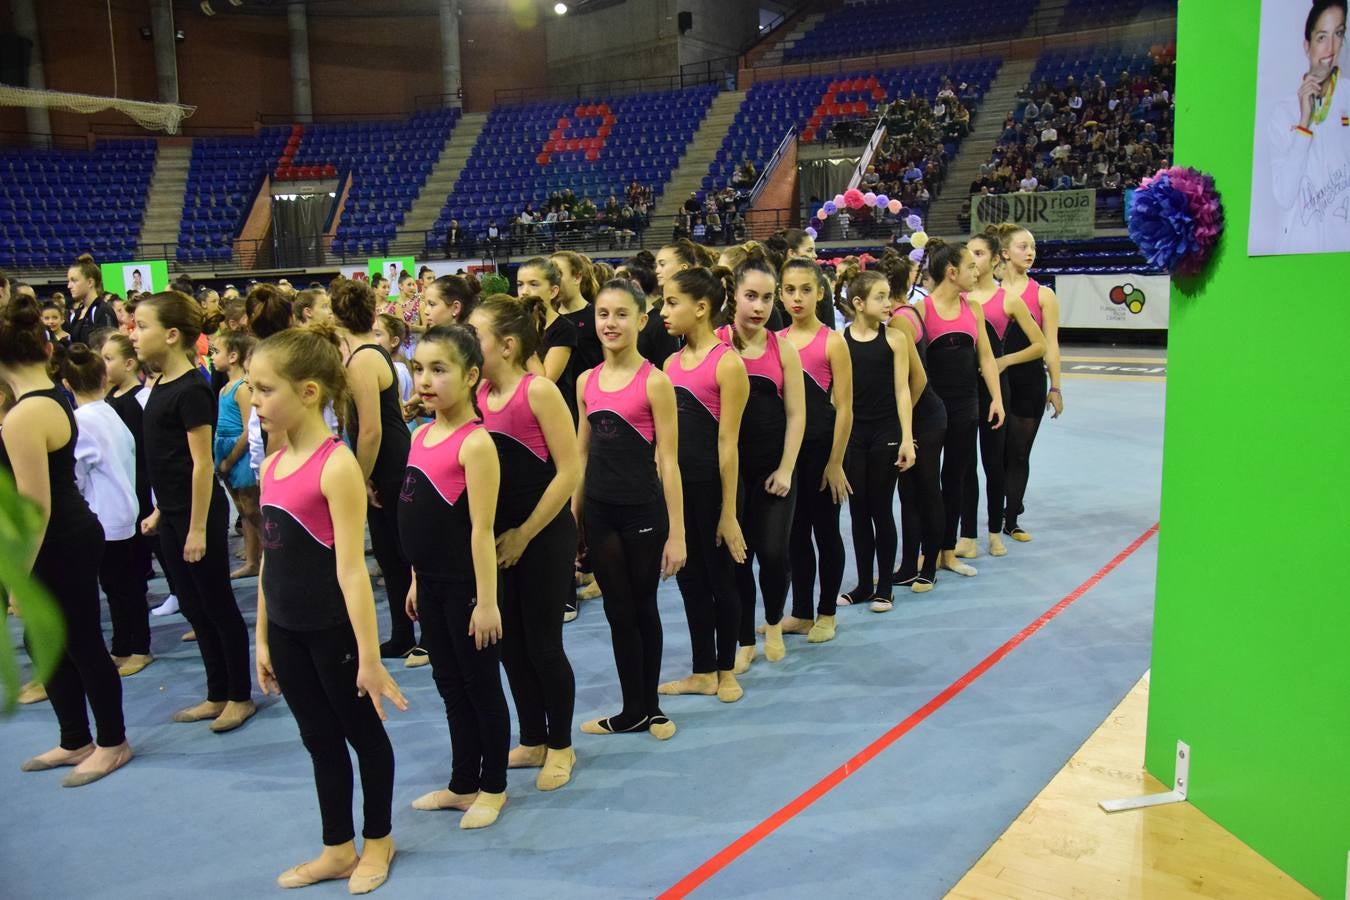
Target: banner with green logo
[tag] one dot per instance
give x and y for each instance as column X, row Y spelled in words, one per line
column 1051, row 215
column 1123, row 300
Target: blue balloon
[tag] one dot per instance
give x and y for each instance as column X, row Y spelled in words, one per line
column 914, row 221
column 829, row 207
column 882, row 200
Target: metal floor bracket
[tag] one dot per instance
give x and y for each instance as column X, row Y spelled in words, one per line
column 1176, row 795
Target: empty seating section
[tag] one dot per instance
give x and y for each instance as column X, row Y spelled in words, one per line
column 812, row 105
column 389, row 163
column 223, row 178
column 594, row 147
column 57, row 204
column 1081, row 14
column 880, row 26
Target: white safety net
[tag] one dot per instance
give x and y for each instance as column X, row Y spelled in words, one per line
column 155, row 116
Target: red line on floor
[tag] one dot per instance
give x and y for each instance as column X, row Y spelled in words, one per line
column 736, row 848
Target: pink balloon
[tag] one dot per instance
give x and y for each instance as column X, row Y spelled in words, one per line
column 870, row 198
column 894, row 206
column 838, row 199
column 822, row 215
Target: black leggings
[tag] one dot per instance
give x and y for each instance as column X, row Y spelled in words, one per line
column 394, row 566
column 534, row 594
column 816, row 513
column 317, row 674
column 870, row 464
column 708, row 582
column 470, row 683
column 68, row 569
column 958, row 447
column 768, row 526
column 1025, row 411
column 625, row 544
column 922, row 514
column 122, row 577
column 992, row 447
column 208, row 603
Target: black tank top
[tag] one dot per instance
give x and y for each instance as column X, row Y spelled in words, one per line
column 392, row 457
column 951, row 364
column 873, row 377
column 129, row 410
column 71, row 520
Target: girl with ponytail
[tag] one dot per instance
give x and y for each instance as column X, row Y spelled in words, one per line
column 958, row 354
column 711, row 388
column 536, row 535
column 380, row 439
column 38, row 447
column 770, row 441
column 882, row 440
column 828, row 394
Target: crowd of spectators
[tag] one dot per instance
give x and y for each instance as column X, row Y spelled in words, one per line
column 563, row 220
column 1101, row 135
column 718, row 218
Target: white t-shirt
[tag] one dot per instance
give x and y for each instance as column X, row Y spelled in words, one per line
column 1310, row 175
column 105, row 469
column 1029, row 184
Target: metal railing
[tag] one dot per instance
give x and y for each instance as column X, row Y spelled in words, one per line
column 697, row 74
column 873, row 144
column 769, row 167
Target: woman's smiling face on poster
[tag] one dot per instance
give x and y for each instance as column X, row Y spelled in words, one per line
column 1324, row 41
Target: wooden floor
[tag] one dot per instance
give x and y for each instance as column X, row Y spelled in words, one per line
column 1064, row 846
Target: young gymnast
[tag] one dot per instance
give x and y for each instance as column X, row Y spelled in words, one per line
column 229, row 350
column 821, row 483
column 1031, row 396
column 191, row 516
column 711, row 388
column 445, row 514
column 105, row 469
column 769, row 446
column 317, row 642
column 958, row 355
column 881, row 444
column 536, row 534
column 630, row 504
column 37, row 446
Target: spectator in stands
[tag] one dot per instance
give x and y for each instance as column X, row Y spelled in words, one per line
column 89, row 310
column 4, row 289
column 494, row 236
column 746, row 175
column 692, row 206
column 870, row 177
column 454, row 239
column 1029, row 183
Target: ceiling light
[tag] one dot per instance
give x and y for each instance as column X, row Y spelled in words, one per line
column 560, row 8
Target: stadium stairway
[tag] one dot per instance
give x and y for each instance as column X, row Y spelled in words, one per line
column 422, row 216
column 774, row 55
column 164, row 203
column 998, row 102
column 706, row 141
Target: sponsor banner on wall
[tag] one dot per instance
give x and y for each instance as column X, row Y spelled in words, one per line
column 1126, row 300
column 1051, row 215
